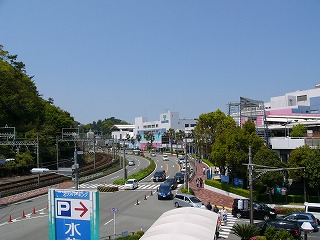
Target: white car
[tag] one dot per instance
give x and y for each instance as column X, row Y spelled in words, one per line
column 165, row 157
column 131, row 184
column 131, row 163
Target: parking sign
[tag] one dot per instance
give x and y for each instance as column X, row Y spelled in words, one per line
column 73, row 215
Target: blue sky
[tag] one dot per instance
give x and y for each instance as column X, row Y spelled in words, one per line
column 112, row 58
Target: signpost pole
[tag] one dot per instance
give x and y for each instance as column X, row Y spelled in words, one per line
column 76, row 179
column 114, row 224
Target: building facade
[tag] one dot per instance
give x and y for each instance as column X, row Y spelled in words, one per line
column 274, row 120
column 159, row 127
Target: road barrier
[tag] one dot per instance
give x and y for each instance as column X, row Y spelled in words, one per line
column 107, row 189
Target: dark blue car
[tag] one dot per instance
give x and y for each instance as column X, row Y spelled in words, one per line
column 164, row 191
column 172, row 182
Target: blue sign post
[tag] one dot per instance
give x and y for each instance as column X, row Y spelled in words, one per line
column 73, row 215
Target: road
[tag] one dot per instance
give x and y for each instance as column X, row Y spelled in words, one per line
column 30, row 218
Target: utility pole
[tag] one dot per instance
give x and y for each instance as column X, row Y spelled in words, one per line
column 38, row 161
column 250, row 166
column 186, row 175
column 124, row 160
column 75, row 167
column 262, row 171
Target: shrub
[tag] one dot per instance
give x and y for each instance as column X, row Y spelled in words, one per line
column 139, row 233
column 245, row 231
column 286, row 210
column 185, row 190
column 272, row 234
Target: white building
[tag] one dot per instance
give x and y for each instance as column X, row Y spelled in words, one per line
column 276, row 118
column 159, row 127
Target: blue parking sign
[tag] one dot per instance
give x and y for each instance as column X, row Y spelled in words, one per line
column 73, row 215
column 72, row 229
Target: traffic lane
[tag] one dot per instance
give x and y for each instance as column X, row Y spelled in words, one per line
column 33, row 228
column 171, row 167
column 26, row 229
column 31, row 207
column 141, row 163
column 137, row 217
column 123, row 201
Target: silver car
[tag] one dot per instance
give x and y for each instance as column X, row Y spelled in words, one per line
column 187, row 200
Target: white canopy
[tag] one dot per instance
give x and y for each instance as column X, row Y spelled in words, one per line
column 186, row 223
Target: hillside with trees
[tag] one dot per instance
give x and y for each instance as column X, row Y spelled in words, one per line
column 23, row 109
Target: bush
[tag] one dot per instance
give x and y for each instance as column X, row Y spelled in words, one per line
column 139, row 233
column 286, row 210
column 231, row 188
column 272, row 234
column 245, row 231
column 185, row 190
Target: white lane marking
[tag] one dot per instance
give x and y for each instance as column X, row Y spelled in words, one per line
column 108, row 222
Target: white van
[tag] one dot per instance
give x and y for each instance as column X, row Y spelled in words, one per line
column 313, row 208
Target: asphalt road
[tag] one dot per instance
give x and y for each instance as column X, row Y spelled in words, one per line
column 30, row 218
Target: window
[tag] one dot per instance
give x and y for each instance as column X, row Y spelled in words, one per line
column 302, row 98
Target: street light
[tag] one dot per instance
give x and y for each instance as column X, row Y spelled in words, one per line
column 306, row 227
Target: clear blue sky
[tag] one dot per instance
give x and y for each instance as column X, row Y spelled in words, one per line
column 125, row 58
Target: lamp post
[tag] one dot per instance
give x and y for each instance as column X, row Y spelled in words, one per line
column 250, row 166
column 75, row 168
column 124, row 160
column 306, row 227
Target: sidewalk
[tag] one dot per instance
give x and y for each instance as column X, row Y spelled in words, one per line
column 206, row 195
column 214, row 197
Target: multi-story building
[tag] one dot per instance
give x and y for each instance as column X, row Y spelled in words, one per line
column 275, row 119
column 159, row 127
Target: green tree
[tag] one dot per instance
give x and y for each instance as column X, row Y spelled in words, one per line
column 138, row 138
column 267, row 181
column 231, row 148
column 149, row 136
column 22, row 107
column 310, row 160
column 298, row 131
column 209, row 127
column 171, row 134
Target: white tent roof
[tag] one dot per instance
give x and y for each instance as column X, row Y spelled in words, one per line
column 187, row 223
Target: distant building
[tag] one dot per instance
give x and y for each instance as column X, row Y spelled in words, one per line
column 275, row 119
column 159, row 127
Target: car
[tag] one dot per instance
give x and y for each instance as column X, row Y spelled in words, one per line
column 181, row 160
column 313, row 208
column 164, row 191
column 301, row 217
column 279, row 224
column 159, row 176
column 152, row 154
column 187, row 200
column 131, row 184
column 179, row 176
column 172, row 182
column 241, row 208
column 131, row 163
column 165, row 158
column 183, row 169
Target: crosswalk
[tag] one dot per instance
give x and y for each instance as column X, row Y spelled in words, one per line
column 146, row 186
column 225, row 229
